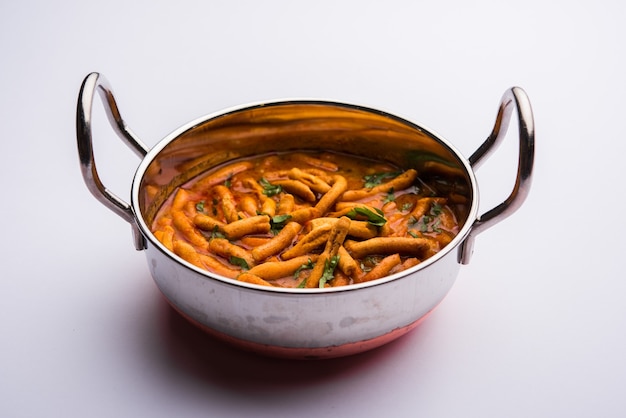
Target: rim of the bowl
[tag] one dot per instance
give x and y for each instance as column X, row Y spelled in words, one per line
column 153, row 152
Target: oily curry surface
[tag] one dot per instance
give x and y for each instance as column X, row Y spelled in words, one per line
column 309, row 220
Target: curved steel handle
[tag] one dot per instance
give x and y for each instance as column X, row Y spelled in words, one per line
column 92, row 83
column 514, row 98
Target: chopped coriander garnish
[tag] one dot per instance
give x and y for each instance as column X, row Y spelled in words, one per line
column 329, row 270
column 270, row 189
column 368, row 262
column 306, row 266
column 406, row 207
column 435, row 226
column 238, row 261
column 436, row 209
column 216, row 233
column 430, row 223
column 278, row 222
column 390, row 196
column 200, row 206
column 375, row 179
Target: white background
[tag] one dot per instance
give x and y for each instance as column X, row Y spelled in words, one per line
column 533, row 327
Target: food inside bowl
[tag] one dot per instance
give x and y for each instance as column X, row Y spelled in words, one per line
column 309, row 219
column 238, row 194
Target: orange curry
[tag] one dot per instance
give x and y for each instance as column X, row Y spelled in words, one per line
column 308, row 220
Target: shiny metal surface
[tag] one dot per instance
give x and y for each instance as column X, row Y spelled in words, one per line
column 513, row 99
column 310, row 323
column 302, row 323
column 93, row 83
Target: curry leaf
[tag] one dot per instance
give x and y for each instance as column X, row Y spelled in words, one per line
column 280, row 219
column 278, row 222
column 376, row 219
column 270, row 189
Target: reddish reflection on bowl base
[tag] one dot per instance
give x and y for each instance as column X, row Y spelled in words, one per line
column 306, row 353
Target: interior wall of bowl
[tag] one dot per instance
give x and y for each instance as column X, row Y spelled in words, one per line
column 297, row 125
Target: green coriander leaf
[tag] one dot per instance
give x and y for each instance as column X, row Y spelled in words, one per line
column 435, row 226
column 200, row 206
column 280, row 219
column 390, row 196
column 406, row 207
column 414, row 234
column 237, row 261
column 216, row 233
column 278, row 222
column 329, row 270
column 269, row 189
column 306, row 266
column 436, row 209
column 375, row 179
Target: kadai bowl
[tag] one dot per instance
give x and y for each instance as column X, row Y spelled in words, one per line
column 305, row 228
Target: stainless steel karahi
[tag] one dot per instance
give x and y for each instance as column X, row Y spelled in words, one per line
column 301, row 323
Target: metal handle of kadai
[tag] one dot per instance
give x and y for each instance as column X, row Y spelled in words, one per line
column 513, row 99
column 92, row 83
